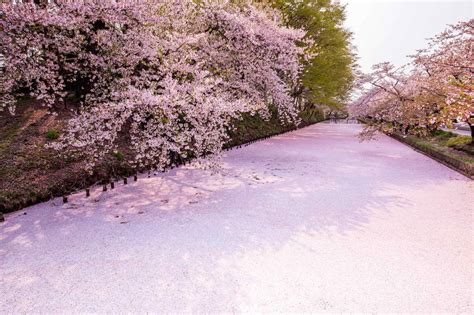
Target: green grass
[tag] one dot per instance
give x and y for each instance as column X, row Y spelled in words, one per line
column 452, row 143
column 458, row 141
column 52, row 134
column 441, row 134
column 458, row 151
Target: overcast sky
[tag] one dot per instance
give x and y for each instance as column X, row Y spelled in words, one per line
column 389, row 30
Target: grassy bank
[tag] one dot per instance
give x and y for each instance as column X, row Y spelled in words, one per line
column 31, row 173
column 254, row 127
column 453, row 150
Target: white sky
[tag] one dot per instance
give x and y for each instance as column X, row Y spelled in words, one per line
column 389, row 30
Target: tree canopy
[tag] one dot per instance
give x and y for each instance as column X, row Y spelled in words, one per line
column 329, row 73
column 169, row 74
column 435, row 89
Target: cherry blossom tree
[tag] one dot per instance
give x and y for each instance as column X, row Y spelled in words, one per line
column 168, row 74
column 448, row 70
column 73, row 47
column 393, row 102
column 435, row 89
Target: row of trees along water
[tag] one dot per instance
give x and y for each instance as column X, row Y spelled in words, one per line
column 435, row 89
column 169, row 77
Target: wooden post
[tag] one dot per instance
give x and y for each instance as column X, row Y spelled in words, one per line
column 112, row 185
column 88, row 192
column 64, row 199
column 135, row 177
column 125, row 180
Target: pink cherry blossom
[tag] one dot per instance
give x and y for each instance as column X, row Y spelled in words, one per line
column 436, row 89
column 169, row 74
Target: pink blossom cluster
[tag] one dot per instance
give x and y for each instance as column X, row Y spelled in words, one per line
column 436, row 89
column 170, row 75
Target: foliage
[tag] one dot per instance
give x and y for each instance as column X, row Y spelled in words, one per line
column 172, row 75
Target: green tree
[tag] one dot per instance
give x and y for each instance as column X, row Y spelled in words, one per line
column 328, row 76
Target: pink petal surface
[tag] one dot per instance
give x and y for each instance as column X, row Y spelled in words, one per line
column 312, row 220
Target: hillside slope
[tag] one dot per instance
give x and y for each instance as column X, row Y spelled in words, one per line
column 31, row 173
